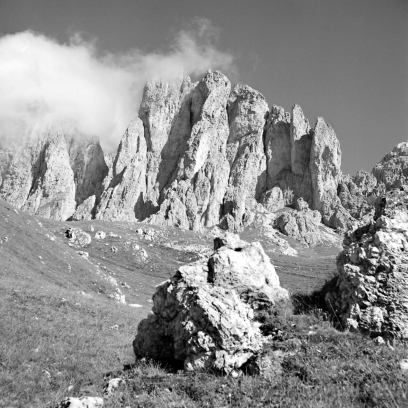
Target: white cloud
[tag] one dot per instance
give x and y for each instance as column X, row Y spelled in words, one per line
column 72, row 86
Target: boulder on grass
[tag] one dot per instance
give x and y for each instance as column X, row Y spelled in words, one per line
column 77, row 237
column 83, row 402
column 204, row 317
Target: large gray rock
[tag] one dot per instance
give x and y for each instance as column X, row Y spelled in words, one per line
column 302, row 224
column 372, row 286
column 204, row 317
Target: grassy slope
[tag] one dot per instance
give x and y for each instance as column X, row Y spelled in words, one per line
column 52, row 336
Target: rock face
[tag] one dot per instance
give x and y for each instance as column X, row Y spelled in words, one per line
column 200, row 154
column 302, row 224
column 393, row 168
column 304, row 163
column 325, row 171
column 205, row 316
column 194, row 197
column 372, row 287
column 247, row 110
column 52, row 173
column 124, row 191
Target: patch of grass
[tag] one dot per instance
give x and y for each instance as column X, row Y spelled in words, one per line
column 51, row 339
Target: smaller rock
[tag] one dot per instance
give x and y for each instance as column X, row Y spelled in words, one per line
column 113, row 385
column 404, row 365
column 379, row 341
column 302, row 205
column 112, row 235
column 86, row 295
column 83, row 402
column 135, row 305
column 77, row 237
column 83, row 254
column 118, row 296
column 100, row 235
column 229, row 240
column 114, row 249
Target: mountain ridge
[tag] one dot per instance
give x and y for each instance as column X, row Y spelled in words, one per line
column 199, row 154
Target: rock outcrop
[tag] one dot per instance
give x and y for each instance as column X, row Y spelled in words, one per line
column 372, row 287
column 301, row 224
column 123, row 194
column 204, row 317
column 247, row 110
column 194, row 197
column 200, row 154
column 50, row 174
column 393, row 168
column 304, row 163
column 325, row 160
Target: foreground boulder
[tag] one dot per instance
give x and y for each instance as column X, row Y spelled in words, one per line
column 372, row 287
column 204, row 317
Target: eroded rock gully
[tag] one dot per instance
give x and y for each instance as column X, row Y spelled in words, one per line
column 199, row 154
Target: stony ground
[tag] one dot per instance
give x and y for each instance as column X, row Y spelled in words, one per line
column 61, row 331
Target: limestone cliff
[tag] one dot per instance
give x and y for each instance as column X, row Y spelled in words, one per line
column 198, row 155
column 49, row 175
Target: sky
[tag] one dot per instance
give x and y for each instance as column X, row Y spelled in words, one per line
column 344, row 60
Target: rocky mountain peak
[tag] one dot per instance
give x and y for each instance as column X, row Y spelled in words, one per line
column 199, row 154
